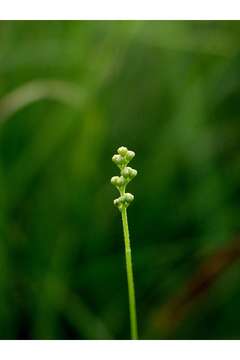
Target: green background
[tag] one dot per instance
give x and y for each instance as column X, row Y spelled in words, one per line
column 70, row 94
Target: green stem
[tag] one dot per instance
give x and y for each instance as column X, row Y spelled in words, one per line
column 131, row 291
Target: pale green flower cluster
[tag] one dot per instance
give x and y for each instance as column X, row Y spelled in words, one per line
column 121, row 159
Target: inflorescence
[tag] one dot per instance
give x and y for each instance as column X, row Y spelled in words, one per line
column 122, row 159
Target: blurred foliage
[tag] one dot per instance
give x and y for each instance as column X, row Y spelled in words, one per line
column 71, row 92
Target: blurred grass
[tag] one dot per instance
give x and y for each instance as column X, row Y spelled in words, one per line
column 71, row 92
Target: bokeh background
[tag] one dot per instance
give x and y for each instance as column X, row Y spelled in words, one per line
column 71, row 92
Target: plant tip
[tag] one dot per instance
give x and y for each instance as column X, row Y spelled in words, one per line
column 122, row 151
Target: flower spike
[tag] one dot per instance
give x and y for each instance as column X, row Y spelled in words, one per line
column 121, row 159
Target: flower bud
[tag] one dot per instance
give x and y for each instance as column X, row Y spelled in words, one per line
column 117, row 159
column 114, row 180
column 129, row 173
column 130, row 155
column 128, row 198
column 122, row 151
column 118, row 181
column 133, row 173
column 121, row 181
column 126, row 172
column 120, row 202
column 116, row 202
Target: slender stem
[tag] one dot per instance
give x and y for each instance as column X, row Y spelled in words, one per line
column 131, row 291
